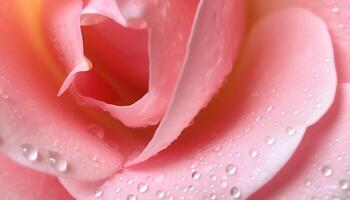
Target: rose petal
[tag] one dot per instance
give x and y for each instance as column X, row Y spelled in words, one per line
column 18, row 182
column 31, row 116
column 211, row 53
column 241, row 140
column 320, row 167
column 336, row 13
column 169, row 24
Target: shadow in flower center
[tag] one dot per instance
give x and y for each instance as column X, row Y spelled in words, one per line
column 119, row 58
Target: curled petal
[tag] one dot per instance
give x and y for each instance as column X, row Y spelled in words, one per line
column 251, row 129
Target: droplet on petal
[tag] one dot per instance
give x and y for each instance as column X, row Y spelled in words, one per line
column 326, row 171
column 131, row 197
column 96, row 130
column 196, row 175
column 29, row 152
column 290, row 130
column 57, row 162
column 142, row 187
column 343, row 184
column 160, row 194
column 253, row 153
column 231, row 169
column 270, row 141
column 98, row 193
column 235, row 193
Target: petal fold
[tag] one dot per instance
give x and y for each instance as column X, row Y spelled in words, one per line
column 281, row 85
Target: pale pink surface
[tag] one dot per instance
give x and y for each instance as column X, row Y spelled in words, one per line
column 19, row 182
column 320, row 168
column 164, row 20
column 334, row 12
column 253, row 109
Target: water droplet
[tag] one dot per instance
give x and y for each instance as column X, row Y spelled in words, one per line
column 231, row 169
column 253, row 153
column 335, row 9
column 318, row 105
column 131, row 197
column 57, row 162
column 96, row 130
column 142, row 187
column 326, row 171
column 343, row 184
column 98, row 193
column 235, row 193
column 29, row 152
column 213, row 196
column 160, row 194
column 270, row 140
column 269, row 109
column 196, row 175
column 290, row 130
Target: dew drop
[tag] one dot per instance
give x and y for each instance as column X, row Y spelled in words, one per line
column 98, row 193
column 290, row 130
column 318, row 105
column 235, row 193
column 231, row 169
column 335, row 9
column 29, row 152
column 270, row 141
column 343, row 184
column 326, row 171
column 96, row 130
column 253, row 153
column 196, row 175
column 269, row 109
column 160, row 194
column 131, row 197
column 142, row 187
column 57, row 162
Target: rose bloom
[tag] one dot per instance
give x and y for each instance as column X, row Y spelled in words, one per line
column 174, row 99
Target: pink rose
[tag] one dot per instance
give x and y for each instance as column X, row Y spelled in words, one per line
column 174, row 99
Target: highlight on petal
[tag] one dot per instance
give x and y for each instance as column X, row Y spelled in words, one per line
column 37, row 129
column 320, row 167
column 83, row 67
column 18, row 182
column 336, row 13
column 94, row 9
column 169, row 24
column 211, row 53
column 251, row 129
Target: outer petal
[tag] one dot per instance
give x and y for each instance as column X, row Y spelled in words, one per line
column 18, row 182
column 251, row 129
column 32, row 118
column 169, row 24
column 320, row 168
column 336, row 13
column 212, row 51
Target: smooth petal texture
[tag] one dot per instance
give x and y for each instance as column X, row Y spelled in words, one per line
column 212, row 51
column 18, row 182
column 336, row 13
column 169, row 24
column 251, row 129
column 30, row 112
column 320, row 168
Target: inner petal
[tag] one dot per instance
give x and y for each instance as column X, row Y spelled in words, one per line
column 119, row 57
